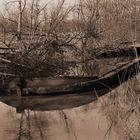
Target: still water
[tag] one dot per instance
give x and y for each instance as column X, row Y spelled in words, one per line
column 85, row 122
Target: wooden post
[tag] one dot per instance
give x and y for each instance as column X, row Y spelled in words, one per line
column 19, row 94
column 19, row 21
column 3, row 35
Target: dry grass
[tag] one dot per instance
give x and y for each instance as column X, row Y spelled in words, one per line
column 122, row 108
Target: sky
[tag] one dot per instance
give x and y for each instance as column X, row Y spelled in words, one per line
column 67, row 3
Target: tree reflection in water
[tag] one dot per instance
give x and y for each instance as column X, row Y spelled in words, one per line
column 80, row 123
column 65, row 119
column 25, row 127
column 39, row 125
column 31, row 126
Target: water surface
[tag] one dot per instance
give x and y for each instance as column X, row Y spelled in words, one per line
column 85, row 122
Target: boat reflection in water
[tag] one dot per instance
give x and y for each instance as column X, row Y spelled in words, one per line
column 45, row 103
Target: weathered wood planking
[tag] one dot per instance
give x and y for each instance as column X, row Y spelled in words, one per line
column 99, row 86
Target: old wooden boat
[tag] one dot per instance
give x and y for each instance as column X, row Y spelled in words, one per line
column 98, row 86
column 73, row 94
column 42, row 84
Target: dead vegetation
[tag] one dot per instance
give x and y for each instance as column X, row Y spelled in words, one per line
column 57, row 38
